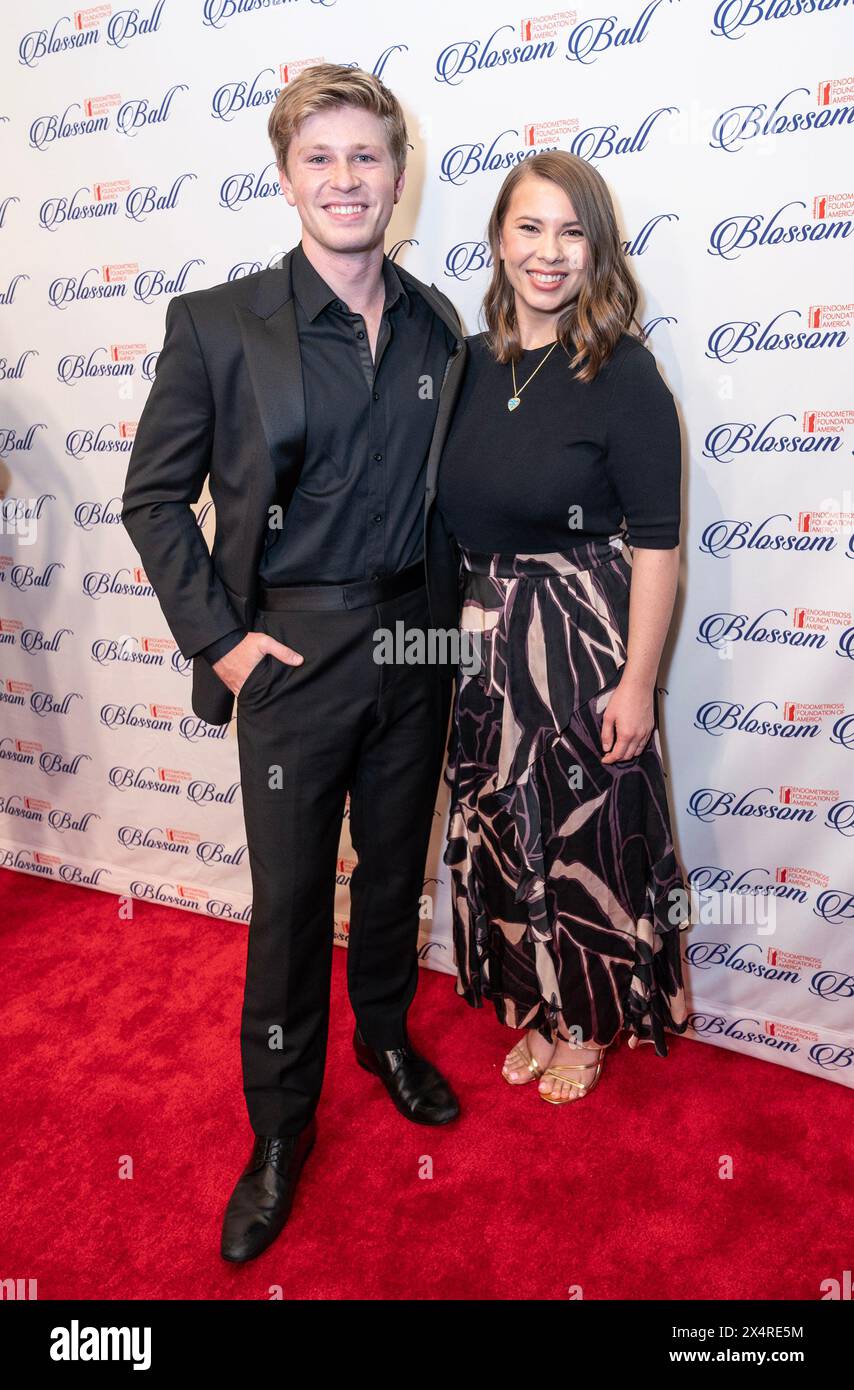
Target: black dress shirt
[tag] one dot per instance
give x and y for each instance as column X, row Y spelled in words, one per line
column 357, row 511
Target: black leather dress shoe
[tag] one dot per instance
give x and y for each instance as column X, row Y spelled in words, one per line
column 261, row 1202
column 418, row 1090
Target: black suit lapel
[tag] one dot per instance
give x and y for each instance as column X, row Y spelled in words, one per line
column 268, row 328
column 451, row 381
column 447, row 401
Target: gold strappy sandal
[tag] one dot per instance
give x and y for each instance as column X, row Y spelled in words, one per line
column 528, row 1062
column 558, row 1070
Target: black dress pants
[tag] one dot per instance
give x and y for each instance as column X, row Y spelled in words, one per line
column 307, row 735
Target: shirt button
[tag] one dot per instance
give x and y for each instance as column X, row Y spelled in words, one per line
column 338, row 304
column 378, row 458
column 360, row 334
column 377, row 517
column 376, row 395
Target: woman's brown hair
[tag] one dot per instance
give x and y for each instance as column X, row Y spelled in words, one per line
column 590, row 325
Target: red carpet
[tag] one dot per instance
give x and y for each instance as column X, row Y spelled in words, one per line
column 121, row 1043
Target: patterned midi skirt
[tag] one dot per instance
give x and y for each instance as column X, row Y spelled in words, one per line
column 568, row 902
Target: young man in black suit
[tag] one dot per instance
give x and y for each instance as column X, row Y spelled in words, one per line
column 315, row 396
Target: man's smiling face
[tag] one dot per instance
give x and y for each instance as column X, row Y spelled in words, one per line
column 341, row 179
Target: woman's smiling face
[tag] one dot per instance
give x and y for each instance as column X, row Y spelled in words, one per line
column 544, row 249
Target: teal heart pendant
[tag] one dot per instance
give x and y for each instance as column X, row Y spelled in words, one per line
column 513, row 402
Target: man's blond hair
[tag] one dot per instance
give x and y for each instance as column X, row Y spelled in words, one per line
column 326, row 86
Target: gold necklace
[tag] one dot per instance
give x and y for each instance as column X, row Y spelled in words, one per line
column 514, row 400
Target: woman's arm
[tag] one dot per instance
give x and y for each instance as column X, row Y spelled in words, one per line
column 628, row 720
column 644, row 460
column 655, row 578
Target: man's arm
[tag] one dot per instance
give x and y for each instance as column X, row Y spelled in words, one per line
column 216, row 650
column 168, row 465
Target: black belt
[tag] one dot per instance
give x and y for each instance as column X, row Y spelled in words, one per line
column 360, row 594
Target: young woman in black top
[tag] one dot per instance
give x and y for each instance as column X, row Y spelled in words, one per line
column 568, row 900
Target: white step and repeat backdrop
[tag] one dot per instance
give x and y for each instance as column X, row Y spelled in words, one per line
column 135, row 165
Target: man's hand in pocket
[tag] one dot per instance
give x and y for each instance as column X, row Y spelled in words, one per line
column 237, row 665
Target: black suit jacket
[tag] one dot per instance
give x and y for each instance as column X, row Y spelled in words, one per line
column 227, row 404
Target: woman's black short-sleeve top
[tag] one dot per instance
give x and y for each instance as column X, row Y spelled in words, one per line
column 568, row 465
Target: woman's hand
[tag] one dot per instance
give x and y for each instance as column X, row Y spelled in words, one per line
column 628, row 720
